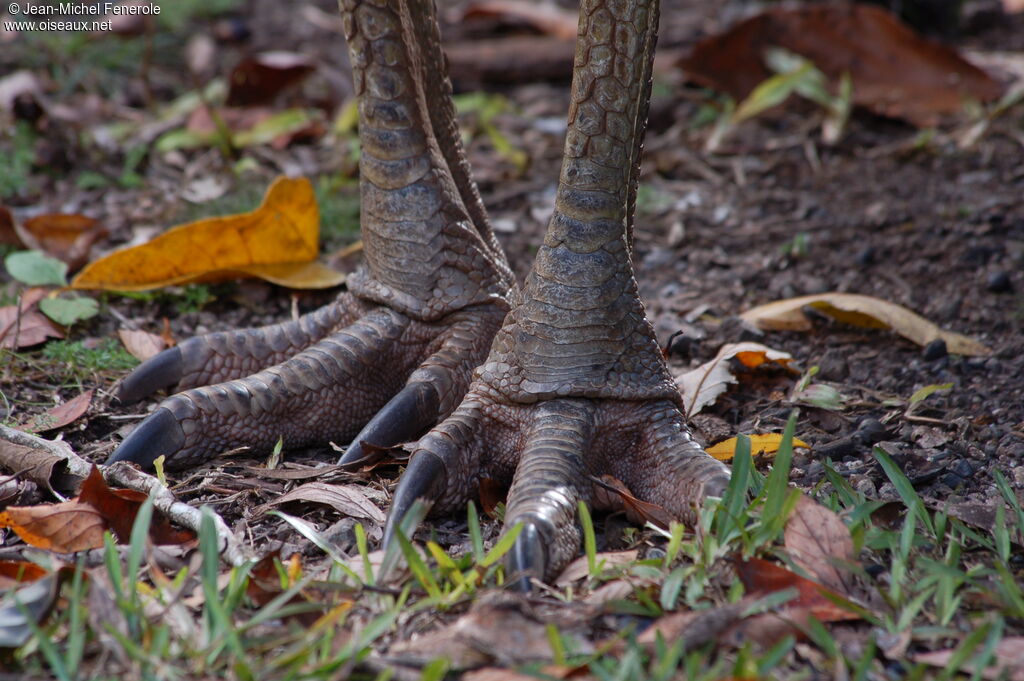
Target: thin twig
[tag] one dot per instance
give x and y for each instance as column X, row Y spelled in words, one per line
column 121, row 473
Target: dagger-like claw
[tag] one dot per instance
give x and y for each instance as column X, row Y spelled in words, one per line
column 156, row 373
column 159, row 434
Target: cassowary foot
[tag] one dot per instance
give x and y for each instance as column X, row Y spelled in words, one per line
column 549, row 452
column 316, row 380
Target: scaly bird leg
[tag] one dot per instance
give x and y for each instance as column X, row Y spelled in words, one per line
column 394, row 353
column 575, row 383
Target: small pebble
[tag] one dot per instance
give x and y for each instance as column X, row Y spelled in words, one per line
column 866, row 256
column 963, row 468
column 934, row 350
column 999, row 282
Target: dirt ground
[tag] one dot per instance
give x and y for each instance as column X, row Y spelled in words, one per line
column 889, row 211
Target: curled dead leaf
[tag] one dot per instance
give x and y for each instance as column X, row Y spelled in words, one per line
column 932, row 82
column 700, row 387
column 863, row 311
column 819, row 541
column 23, row 326
column 350, row 500
column 65, row 236
column 60, row 415
column 141, row 344
column 277, row 242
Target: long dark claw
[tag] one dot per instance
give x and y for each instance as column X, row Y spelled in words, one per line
column 405, row 417
column 425, row 479
column 161, row 371
column 159, row 434
column 527, row 559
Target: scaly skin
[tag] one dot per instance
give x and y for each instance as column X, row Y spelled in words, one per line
column 575, row 383
column 420, row 315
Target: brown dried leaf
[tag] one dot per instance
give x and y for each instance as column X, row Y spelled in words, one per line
column 277, row 242
column 15, row 572
column 761, row 577
column 141, row 344
column 1008, row 664
column 79, row 524
column 932, row 81
column 700, row 387
column 64, row 528
column 65, row 236
column 818, row 541
column 8, row 235
column 499, row 630
column 579, row 568
column 260, row 78
column 612, row 493
column 349, row 500
column 60, row 415
column 547, row 18
column 863, row 311
column 32, row 328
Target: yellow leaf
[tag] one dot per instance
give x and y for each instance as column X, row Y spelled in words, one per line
column 858, row 310
column 277, row 242
column 766, row 443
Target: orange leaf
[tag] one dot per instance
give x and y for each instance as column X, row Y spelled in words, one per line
column 65, row 528
column 14, row 572
column 278, row 242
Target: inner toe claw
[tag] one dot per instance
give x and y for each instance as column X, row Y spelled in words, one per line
column 160, row 434
column 156, row 373
column 414, row 409
column 527, row 559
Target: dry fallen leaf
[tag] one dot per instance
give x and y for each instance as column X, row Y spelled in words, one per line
column 258, row 79
column 141, row 344
column 13, row 572
column 764, row 443
column 1007, row 665
column 277, row 242
column 61, row 415
column 32, row 328
column 350, row 500
column 612, row 493
column 79, row 524
column 818, row 541
column 579, row 568
column 548, row 18
column 858, row 310
column 761, row 577
column 499, row 629
column 65, row 528
column 65, row 236
column 932, row 80
column 702, row 386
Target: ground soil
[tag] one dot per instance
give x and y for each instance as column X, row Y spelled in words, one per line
column 887, row 211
